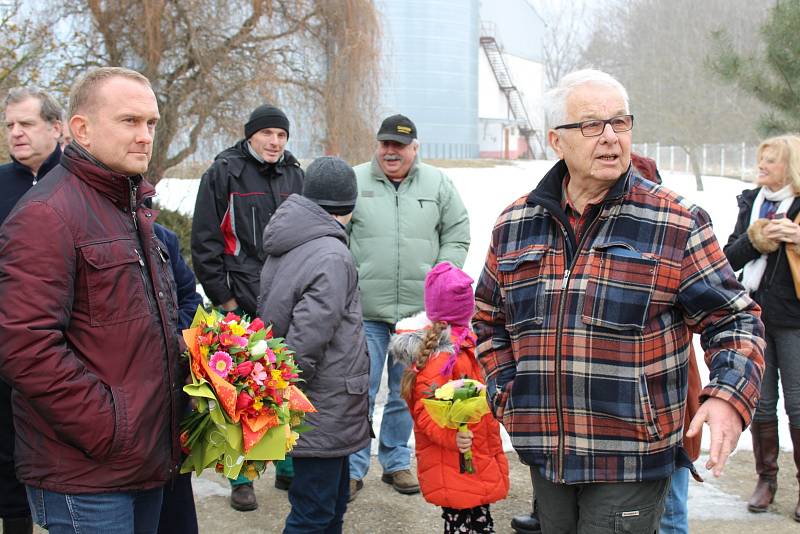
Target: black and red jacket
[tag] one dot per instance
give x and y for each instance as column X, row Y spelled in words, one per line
column 235, row 201
column 88, row 330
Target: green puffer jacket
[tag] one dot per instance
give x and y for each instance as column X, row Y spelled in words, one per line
column 397, row 236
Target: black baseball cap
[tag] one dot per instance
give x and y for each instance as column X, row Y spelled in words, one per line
column 397, row 128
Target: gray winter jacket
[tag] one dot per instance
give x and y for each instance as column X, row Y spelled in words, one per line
column 309, row 292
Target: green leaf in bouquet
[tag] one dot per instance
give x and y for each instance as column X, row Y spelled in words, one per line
column 256, row 337
column 275, row 343
column 232, row 461
column 199, row 317
column 468, row 390
column 305, row 427
column 200, row 389
column 194, row 461
column 272, row 446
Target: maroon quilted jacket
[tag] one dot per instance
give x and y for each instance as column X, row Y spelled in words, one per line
column 88, row 333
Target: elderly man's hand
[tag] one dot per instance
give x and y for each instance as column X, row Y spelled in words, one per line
column 725, row 424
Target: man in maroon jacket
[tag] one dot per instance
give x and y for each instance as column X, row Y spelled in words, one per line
column 88, row 322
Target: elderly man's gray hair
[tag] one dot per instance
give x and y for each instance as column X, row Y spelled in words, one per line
column 555, row 100
column 50, row 111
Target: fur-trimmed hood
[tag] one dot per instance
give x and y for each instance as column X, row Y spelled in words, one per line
column 407, row 343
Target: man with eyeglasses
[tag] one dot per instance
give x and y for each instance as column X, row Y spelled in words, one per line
column 592, row 288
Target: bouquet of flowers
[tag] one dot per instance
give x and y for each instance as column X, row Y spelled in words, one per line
column 247, row 410
column 455, row 405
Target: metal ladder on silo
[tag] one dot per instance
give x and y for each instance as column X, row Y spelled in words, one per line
column 501, row 73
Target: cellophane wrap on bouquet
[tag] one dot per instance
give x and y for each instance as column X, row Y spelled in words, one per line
column 247, row 409
column 456, row 405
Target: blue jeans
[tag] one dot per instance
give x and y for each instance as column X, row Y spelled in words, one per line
column 318, row 496
column 132, row 512
column 396, row 425
column 676, row 512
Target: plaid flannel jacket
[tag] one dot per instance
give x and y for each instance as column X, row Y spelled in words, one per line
column 585, row 345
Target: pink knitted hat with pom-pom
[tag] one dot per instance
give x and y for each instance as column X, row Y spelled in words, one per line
column 448, row 295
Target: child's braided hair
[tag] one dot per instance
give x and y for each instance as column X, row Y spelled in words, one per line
column 429, row 343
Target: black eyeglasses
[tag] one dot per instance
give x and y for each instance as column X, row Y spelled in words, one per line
column 595, row 127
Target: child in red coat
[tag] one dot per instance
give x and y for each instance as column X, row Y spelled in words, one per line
column 434, row 355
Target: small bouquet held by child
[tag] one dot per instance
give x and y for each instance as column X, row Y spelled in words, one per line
column 457, row 404
column 248, row 409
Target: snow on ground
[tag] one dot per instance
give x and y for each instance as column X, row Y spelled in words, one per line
column 486, row 191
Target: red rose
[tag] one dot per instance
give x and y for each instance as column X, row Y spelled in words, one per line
column 244, row 368
column 243, row 401
column 231, row 317
column 256, row 325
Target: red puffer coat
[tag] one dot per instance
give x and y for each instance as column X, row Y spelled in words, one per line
column 437, row 455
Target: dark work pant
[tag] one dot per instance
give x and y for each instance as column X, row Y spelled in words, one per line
column 318, row 495
column 600, row 508
column 178, row 514
column 13, row 498
column 782, row 361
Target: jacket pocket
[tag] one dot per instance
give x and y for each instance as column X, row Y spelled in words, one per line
column 121, row 441
column 115, row 282
column 251, row 213
column 357, row 385
column 632, row 521
column 619, row 285
column 648, row 411
column 522, row 279
column 621, row 404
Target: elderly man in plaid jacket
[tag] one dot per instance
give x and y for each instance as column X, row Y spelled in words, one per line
column 592, row 288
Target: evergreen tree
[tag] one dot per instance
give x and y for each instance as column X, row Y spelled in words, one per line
column 772, row 74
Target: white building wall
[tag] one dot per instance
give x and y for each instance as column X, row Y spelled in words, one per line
column 493, row 109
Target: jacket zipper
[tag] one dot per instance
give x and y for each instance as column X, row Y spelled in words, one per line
column 133, row 188
column 559, row 332
column 397, row 263
column 253, row 214
column 144, row 279
column 170, row 378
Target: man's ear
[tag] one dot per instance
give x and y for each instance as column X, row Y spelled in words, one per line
column 555, row 143
column 58, row 128
column 79, row 126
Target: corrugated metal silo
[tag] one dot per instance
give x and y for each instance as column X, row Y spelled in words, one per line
column 430, row 68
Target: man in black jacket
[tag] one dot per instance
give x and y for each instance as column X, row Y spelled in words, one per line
column 33, row 127
column 237, row 196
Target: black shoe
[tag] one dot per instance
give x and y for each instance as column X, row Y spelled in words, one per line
column 243, row 498
column 283, row 482
column 526, row 524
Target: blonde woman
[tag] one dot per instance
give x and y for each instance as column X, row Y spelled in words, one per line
column 764, row 229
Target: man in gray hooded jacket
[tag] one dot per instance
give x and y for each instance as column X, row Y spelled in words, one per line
column 309, row 292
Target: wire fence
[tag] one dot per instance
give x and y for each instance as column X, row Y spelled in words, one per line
column 734, row 160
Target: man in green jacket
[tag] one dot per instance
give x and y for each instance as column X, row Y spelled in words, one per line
column 408, row 218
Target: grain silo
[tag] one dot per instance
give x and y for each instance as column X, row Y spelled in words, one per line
column 430, row 72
